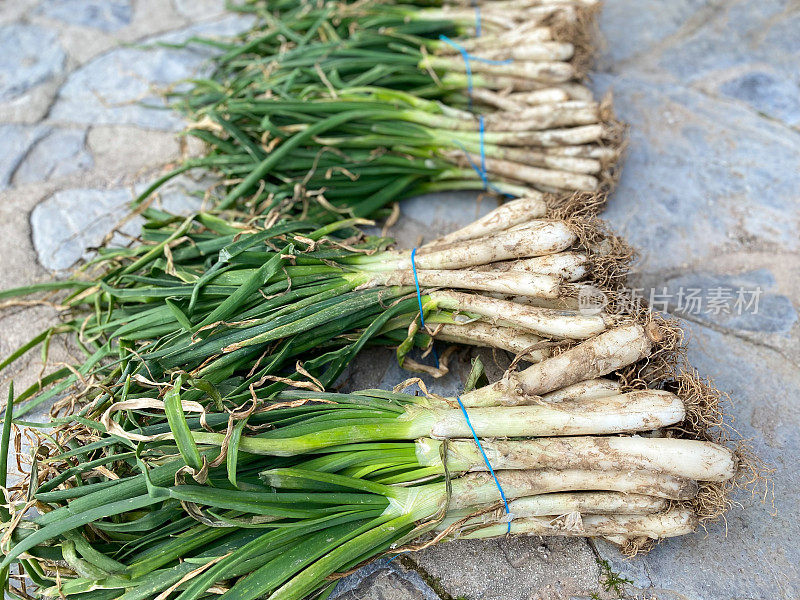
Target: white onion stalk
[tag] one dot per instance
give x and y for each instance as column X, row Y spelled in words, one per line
column 476, row 491
column 496, row 81
column 532, row 118
column 688, row 459
column 571, row 302
column 598, row 356
column 563, row 114
column 562, row 503
column 558, row 324
column 544, row 158
column 523, row 92
column 569, row 136
column 533, row 175
column 536, row 237
column 503, row 17
column 525, row 260
column 642, row 410
column 508, row 39
column 675, row 522
column 507, row 103
column 569, row 266
column 507, row 4
column 470, row 490
column 514, row 212
column 528, row 284
column 532, row 51
column 591, row 388
column 602, row 153
column 636, row 411
column 477, row 333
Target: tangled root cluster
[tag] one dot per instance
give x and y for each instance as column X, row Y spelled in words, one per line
column 706, row 419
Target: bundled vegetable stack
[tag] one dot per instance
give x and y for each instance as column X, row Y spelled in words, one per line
column 202, row 454
column 192, row 471
column 344, row 109
column 218, row 300
column 190, row 499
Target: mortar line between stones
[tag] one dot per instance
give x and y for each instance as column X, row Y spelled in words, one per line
column 726, row 331
column 700, row 18
column 597, row 557
column 429, row 579
column 745, row 106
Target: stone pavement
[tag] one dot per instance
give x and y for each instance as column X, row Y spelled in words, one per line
column 709, row 195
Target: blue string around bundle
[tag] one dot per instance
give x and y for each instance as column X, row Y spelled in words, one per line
column 481, row 169
column 419, row 301
column 488, row 464
column 471, row 57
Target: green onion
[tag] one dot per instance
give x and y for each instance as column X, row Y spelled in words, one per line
column 343, row 109
column 291, row 521
column 235, row 310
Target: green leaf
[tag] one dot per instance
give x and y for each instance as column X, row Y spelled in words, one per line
column 74, row 521
column 179, row 315
column 180, row 428
column 233, row 302
column 232, row 457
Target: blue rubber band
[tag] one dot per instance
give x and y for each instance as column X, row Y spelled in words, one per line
column 465, row 56
column 477, row 19
column 483, row 148
column 416, row 283
column 481, row 170
column 419, row 301
column 397, row 555
column 486, row 460
column 469, row 57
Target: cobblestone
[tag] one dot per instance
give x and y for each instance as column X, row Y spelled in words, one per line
column 105, row 15
column 29, row 56
column 709, row 195
column 59, row 153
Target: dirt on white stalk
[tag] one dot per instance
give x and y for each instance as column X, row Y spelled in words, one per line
column 689, row 459
column 611, row 350
column 673, row 523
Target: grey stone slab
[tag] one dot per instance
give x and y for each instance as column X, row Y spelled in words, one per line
column 29, row 56
column 741, row 32
column 750, row 52
column 65, row 226
column 741, row 302
column 105, row 15
column 383, row 580
column 69, row 222
column 124, row 85
column 700, row 176
column 706, row 175
column 199, row 9
column 520, row 568
column 768, row 93
column 16, row 142
column 32, row 106
column 753, row 554
column 182, row 195
column 61, row 152
column 632, row 27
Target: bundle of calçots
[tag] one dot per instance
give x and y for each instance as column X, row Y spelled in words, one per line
column 341, row 108
column 239, row 303
column 202, row 455
column 274, row 496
